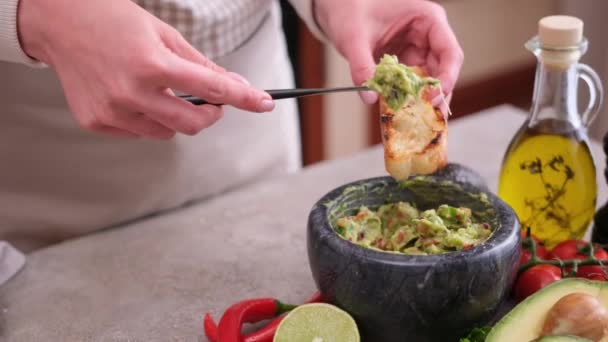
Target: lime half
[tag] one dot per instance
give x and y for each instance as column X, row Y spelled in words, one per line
column 317, row 322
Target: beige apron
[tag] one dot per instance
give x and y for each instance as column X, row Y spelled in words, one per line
column 59, row 182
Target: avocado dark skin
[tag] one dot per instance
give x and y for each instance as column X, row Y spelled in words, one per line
column 396, row 297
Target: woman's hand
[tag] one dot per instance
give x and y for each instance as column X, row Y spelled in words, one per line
column 117, row 65
column 416, row 31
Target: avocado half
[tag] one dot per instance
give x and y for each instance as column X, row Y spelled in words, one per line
column 562, row 339
column 525, row 321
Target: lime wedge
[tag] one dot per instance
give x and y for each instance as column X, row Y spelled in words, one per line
column 317, row 322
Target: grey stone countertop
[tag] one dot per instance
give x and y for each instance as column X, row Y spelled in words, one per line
column 154, row 279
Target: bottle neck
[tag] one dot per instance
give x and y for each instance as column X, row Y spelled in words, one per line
column 555, row 94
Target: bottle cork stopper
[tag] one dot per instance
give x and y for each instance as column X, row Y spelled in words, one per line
column 560, row 31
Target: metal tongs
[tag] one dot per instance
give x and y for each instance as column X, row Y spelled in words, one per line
column 277, row 94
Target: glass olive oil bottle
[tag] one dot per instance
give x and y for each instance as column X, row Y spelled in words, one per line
column 548, row 174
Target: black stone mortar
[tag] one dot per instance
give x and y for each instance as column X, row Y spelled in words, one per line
column 398, row 297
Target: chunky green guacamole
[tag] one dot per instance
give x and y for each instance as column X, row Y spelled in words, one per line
column 395, row 81
column 401, row 227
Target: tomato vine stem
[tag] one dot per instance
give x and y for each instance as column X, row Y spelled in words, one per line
column 588, row 250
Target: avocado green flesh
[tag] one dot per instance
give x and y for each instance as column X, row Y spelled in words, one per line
column 396, row 82
column 526, row 320
column 562, row 339
column 401, row 227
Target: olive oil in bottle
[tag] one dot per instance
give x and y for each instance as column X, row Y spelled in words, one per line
column 548, row 177
column 548, row 174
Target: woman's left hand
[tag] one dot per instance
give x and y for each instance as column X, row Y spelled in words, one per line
column 416, row 31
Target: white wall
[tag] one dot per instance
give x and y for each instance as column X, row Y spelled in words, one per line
column 492, row 34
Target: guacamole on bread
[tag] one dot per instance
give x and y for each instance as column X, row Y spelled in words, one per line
column 396, row 82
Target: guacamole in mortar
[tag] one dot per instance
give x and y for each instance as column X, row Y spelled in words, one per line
column 401, row 227
column 395, row 81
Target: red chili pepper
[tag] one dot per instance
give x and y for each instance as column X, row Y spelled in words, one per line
column 265, row 334
column 248, row 311
column 210, row 328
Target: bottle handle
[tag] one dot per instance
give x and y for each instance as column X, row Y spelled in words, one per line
column 596, row 92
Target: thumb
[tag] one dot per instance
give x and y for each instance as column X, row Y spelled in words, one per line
column 358, row 53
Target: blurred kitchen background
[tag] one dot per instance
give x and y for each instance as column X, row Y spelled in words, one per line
column 497, row 69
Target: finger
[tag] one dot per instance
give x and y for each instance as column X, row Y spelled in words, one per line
column 138, row 124
column 448, row 98
column 215, row 87
column 238, row 77
column 449, row 53
column 444, row 51
column 115, row 132
column 441, row 102
column 401, row 38
column 180, row 46
column 414, row 56
column 90, row 123
column 180, row 115
column 369, row 97
column 445, row 106
column 358, row 52
column 416, row 36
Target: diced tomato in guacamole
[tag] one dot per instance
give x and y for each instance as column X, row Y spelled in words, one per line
column 401, row 227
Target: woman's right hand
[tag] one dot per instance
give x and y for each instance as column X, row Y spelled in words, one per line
column 117, row 65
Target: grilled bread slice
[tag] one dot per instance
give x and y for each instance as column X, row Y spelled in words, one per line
column 414, row 135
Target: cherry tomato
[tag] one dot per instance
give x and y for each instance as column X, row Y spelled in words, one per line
column 525, row 255
column 541, row 251
column 534, row 279
column 591, row 272
column 596, row 277
column 569, row 250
